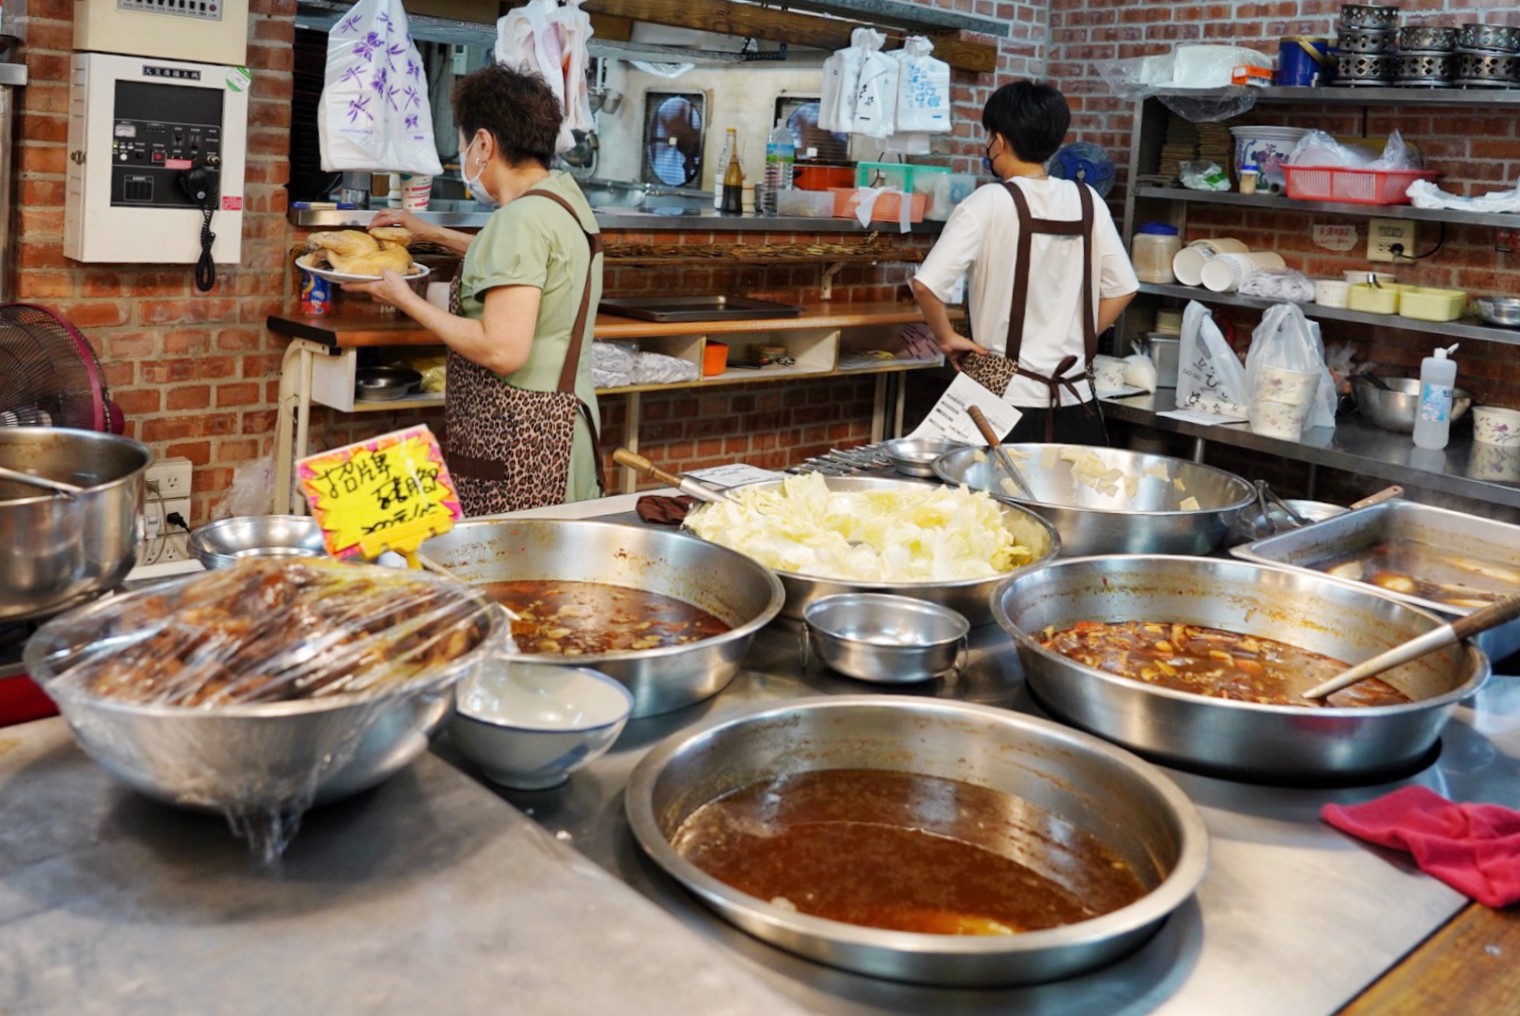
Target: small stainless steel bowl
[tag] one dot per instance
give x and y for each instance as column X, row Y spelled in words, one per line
column 385, row 383
column 219, row 544
column 886, row 638
column 1499, row 310
column 1395, row 409
column 915, row 456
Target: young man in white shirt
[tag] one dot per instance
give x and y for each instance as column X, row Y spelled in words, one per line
column 1046, row 279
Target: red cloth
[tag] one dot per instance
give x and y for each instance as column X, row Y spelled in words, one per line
column 21, row 700
column 1474, row 848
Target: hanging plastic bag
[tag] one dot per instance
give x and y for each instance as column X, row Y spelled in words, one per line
column 1209, row 375
column 923, row 88
column 546, row 39
column 876, row 95
column 375, row 115
column 1290, row 345
column 841, row 78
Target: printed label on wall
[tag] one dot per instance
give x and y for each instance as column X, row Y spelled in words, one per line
column 1338, row 237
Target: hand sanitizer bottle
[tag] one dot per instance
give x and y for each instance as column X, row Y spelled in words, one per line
column 1432, row 417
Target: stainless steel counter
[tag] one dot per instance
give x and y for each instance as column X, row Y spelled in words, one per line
column 1352, row 445
column 470, row 216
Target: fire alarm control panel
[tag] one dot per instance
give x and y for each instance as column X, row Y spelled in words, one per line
column 213, row 31
column 156, row 154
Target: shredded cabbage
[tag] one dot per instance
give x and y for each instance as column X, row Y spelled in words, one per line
column 927, row 534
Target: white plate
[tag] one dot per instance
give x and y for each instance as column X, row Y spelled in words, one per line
column 423, row 271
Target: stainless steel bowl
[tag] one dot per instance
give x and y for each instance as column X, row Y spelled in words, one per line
column 220, row 544
column 915, row 456
column 385, row 383
column 254, row 759
column 1241, row 740
column 58, row 552
column 967, row 596
column 879, row 637
column 1149, row 521
column 1503, row 311
column 1394, row 409
column 1129, row 806
column 720, row 581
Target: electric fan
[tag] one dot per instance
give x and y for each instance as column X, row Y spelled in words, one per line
column 1084, row 162
column 49, row 374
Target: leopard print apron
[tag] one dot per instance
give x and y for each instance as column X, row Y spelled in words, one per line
column 995, row 372
column 509, row 448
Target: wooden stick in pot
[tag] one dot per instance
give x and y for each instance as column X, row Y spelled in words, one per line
column 1478, row 621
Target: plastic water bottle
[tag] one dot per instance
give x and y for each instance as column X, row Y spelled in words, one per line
column 730, row 140
column 1432, row 418
column 780, row 157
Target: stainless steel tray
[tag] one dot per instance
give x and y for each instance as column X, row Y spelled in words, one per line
column 1468, row 535
column 696, row 308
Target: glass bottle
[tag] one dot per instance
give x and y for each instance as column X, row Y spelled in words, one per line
column 730, row 145
column 733, row 186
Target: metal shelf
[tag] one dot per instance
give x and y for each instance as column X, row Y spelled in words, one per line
column 1361, row 96
column 1463, row 328
column 1268, row 202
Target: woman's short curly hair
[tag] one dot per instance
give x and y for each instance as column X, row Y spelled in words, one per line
column 519, row 110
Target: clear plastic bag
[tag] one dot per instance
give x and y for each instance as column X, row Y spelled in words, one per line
column 1288, row 341
column 1278, row 284
column 252, row 491
column 247, row 690
column 1209, row 375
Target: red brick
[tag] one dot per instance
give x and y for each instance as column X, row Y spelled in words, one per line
column 245, row 393
column 188, row 397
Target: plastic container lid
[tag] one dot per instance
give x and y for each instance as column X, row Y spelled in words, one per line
column 1158, row 229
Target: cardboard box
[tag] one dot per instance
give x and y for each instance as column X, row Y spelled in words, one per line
column 888, row 206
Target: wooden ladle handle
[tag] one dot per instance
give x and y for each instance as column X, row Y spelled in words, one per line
column 1483, row 619
column 980, row 419
column 642, row 466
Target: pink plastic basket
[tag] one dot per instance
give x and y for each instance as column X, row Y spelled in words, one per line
column 1353, row 186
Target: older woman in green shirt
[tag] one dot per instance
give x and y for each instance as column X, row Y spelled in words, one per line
column 521, row 413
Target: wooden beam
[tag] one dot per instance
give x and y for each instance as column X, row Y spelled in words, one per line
column 752, row 21
column 919, row 17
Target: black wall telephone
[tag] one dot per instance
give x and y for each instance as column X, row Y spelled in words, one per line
column 201, row 184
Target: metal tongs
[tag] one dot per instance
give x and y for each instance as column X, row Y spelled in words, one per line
column 999, row 452
column 688, row 485
column 1265, row 494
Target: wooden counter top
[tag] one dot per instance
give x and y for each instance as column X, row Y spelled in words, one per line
column 344, row 331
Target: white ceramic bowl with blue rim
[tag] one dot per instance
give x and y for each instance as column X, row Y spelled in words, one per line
column 530, row 725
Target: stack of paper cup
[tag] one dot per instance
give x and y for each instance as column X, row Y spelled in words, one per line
column 416, row 189
column 1187, row 264
column 1281, row 402
column 1225, row 272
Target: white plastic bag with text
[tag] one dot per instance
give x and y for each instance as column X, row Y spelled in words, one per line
column 1209, row 375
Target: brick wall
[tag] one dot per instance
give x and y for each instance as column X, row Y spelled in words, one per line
column 197, row 374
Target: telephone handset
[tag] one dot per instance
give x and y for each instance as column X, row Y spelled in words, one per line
column 201, row 184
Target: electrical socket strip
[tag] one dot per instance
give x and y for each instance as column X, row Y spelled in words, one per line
column 168, row 493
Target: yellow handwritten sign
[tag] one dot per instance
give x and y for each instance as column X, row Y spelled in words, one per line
column 388, row 493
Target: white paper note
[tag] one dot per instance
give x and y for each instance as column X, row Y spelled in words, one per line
column 949, row 420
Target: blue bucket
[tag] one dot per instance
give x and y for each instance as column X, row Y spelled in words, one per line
column 1304, row 61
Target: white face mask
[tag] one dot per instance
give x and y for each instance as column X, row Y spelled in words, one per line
column 476, row 187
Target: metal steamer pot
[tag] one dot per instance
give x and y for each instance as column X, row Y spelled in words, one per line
column 720, row 581
column 1149, row 521
column 55, row 551
column 1133, row 809
column 1239, row 740
column 967, row 596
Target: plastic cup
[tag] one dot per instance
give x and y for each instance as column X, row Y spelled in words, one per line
column 416, row 190
column 1495, row 425
column 1294, row 387
column 1277, row 419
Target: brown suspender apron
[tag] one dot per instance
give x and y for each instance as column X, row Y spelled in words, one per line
column 509, row 448
column 1029, row 226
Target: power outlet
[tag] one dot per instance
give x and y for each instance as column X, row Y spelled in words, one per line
column 1390, row 239
column 167, row 494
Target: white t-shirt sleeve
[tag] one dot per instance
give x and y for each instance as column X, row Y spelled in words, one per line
column 957, row 249
column 1116, row 275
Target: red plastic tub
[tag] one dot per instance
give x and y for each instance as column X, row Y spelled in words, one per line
column 1353, row 186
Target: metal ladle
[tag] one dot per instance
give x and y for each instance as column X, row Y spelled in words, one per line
column 688, row 485
column 59, row 487
column 999, row 452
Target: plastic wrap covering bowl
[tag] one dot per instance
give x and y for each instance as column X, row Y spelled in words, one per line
column 1130, row 807
column 263, row 688
column 1226, row 737
column 1108, row 501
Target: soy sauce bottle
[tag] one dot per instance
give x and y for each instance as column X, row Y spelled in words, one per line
column 733, row 186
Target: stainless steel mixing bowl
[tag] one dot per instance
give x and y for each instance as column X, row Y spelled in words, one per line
column 250, row 758
column 1394, row 409
column 1128, row 805
column 968, row 597
column 884, row 638
column 1244, row 740
column 57, row 552
column 720, row 581
column 221, row 543
column 914, row 456
column 1151, row 520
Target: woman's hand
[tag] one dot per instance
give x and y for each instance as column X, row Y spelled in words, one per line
column 389, row 289
column 406, row 220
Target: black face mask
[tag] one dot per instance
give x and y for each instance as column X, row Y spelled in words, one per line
column 987, row 160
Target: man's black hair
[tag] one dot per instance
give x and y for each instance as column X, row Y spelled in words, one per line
column 1032, row 117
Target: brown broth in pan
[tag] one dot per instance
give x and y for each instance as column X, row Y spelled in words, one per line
column 1418, row 569
column 905, row 852
column 590, row 618
column 1213, row 662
